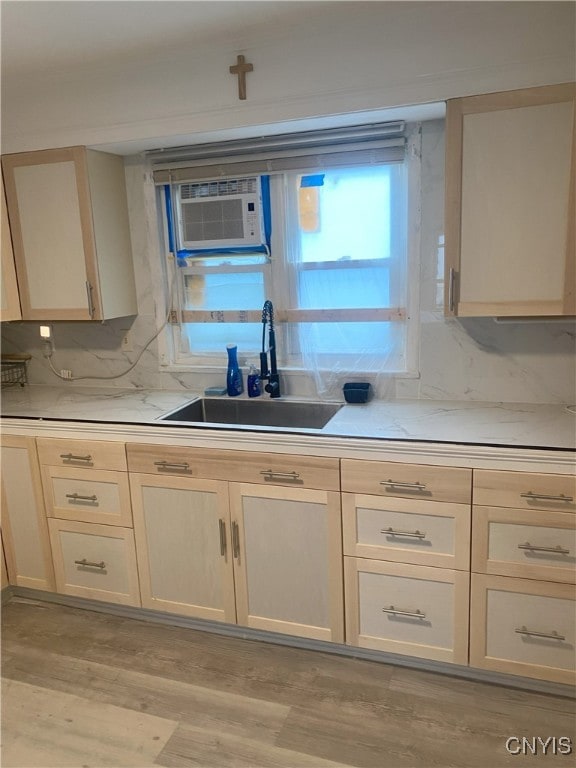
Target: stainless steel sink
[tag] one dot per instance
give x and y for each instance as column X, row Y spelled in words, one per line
column 265, row 413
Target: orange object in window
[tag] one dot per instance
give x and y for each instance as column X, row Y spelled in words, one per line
column 309, row 209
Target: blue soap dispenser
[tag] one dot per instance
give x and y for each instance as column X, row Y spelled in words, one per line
column 234, row 384
column 253, row 382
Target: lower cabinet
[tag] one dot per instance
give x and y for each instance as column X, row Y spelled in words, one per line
column 524, row 627
column 407, row 609
column 183, row 541
column 24, row 525
column 97, row 562
column 288, row 560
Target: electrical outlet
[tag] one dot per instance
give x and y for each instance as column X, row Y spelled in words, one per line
column 127, row 345
column 66, row 374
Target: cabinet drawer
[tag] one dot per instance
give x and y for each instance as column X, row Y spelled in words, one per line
column 524, row 543
column 525, row 490
column 236, row 466
column 409, row 481
column 87, row 495
column 406, row 531
column 407, row 609
column 523, row 627
column 93, row 454
column 95, row 561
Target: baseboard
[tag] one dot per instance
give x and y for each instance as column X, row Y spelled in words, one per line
column 245, row 633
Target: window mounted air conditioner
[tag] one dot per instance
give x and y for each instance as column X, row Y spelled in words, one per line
column 224, row 213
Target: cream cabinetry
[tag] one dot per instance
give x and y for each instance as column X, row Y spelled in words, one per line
column 406, row 534
column 523, row 600
column 87, row 500
column 510, row 200
column 9, row 297
column 70, row 232
column 24, row 526
column 276, row 537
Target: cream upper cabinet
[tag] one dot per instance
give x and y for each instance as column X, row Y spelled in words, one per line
column 69, row 223
column 10, row 300
column 510, row 203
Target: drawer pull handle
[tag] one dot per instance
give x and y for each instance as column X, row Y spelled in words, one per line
column 88, row 564
column 547, row 635
column 417, row 614
column 166, row 465
column 410, row 534
column 531, row 496
column 558, row 550
column 235, row 540
column 74, row 457
column 270, row 474
column 391, row 484
column 77, row 497
column 222, row 525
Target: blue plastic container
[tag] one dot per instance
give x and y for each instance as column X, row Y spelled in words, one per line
column 234, row 383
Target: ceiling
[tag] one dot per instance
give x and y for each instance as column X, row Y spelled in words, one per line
column 55, row 34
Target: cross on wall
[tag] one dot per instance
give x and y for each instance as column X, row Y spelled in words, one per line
column 240, row 69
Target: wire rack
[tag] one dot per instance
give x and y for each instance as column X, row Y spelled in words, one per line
column 13, row 370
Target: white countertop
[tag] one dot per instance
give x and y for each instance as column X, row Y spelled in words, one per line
column 517, row 425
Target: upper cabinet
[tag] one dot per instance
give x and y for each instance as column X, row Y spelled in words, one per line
column 511, row 203
column 10, row 301
column 69, row 224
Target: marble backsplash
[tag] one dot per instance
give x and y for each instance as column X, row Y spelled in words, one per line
column 460, row 359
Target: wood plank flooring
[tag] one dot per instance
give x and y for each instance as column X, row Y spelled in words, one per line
column 91, row 690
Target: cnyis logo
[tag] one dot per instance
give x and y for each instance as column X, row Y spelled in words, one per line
column 539, row 745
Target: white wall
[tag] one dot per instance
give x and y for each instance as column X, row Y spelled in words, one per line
column 332, row 58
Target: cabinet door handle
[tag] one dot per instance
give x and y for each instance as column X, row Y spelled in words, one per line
column 74, row 497
column 557, row 550
column 235, row 540
column 101, row 565
column 391, row 484
column 531, row 496
column 90, row 299
column 222, row 525
column 451, row 289
column 409, row 534
column 417, row 614
column 553, row 635
column 75, row 457
column 271, row 474
column 174, row 465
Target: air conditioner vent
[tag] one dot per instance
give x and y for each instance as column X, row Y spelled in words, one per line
column 220, row 188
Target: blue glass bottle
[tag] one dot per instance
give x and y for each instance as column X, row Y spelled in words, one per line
column 234, row 384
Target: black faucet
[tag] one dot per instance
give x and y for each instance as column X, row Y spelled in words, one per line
column 269, row 374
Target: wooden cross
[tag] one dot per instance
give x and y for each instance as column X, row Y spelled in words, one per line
column 240, row 69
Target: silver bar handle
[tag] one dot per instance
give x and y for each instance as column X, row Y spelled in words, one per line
column 409, row 534
column 90, row 299
column 271, row 474
column 77, row 497
column 407, row 486
column 545, row 497
column 88, row 564
column 178, row 466
column 222, row 525
column 417, row 614
column 451, row 291
column 553, row 635
column 75, row 457
column 235, row 540
column 557, row 550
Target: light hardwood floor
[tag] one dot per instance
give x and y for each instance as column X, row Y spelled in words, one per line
column 86, row 689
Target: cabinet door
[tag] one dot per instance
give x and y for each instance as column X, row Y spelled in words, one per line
column 288, row 560
column 510, row 181
column 24, row 525
column 182, row 529
column 10, row 300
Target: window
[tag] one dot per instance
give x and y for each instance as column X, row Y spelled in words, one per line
column 331, row 252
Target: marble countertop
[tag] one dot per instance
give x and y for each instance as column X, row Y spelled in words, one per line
column 517, row 425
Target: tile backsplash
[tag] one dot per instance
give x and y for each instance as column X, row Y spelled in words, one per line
column 460, row 359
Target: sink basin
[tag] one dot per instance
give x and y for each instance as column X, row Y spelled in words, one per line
column 265, row 413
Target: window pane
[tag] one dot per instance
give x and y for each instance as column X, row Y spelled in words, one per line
column 344, row 288
column 360, row 345
column 212, row 338
column 224, row 290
